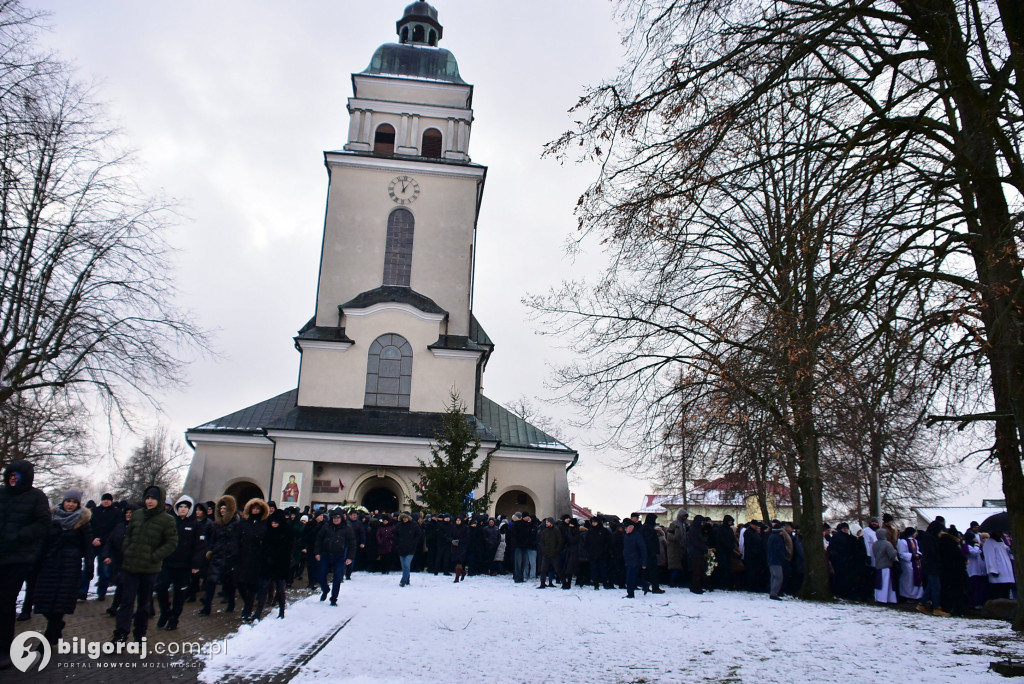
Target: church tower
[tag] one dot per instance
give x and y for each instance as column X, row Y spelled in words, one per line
column 394, row 301
column 393, row 332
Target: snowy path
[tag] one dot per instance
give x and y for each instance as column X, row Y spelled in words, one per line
column 489, row 629
column 276, row 650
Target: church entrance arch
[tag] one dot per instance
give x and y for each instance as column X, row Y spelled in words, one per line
column 243, row 491
column 379, row 492
column 515, row 501
column 380, row 499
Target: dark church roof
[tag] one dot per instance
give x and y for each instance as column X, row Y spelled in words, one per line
column 513, row 431
column 252, row 418
column 492, row 422
column 415, row 61
column 393, row 293
column 322, row 333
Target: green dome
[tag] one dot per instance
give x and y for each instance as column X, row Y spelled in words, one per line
column 412, row 61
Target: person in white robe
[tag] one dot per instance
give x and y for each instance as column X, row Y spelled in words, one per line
column 870, row 535
column 977, row 573
column 999, row 565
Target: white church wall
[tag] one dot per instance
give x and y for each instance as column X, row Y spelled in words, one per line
column 331, row 377
column 225, row 464
column 545, row 478
column 406, row 90
column 356, row 228
column 365, row 450
column 304, row 479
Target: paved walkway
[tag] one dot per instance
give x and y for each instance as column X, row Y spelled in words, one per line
column 91, row 623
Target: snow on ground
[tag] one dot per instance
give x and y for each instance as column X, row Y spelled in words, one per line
column 488, row 628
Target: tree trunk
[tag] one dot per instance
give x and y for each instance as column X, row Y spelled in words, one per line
column 816, row 585
column 874, row 472
column 792, row 474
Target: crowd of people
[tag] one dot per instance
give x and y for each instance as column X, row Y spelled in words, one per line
column 180, row 551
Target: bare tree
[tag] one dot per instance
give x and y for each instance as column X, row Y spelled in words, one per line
column 936, row 96
column 87, row 302
column 158, row 461
column 755, row 263
column 48, row 428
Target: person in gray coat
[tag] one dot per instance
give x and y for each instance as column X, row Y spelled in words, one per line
column 885, row 557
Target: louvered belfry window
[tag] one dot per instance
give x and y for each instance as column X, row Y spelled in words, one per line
column 431, row 146
column 384, row 140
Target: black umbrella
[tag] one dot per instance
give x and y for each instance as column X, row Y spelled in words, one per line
column 996, row 524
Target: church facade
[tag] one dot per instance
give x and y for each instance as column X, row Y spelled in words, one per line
column 394, row 333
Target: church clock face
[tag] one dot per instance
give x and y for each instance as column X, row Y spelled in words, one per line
column 404, row 189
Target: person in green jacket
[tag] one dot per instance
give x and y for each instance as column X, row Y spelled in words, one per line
column 151, row 536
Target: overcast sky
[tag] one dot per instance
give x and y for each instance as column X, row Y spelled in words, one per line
column 230, row 105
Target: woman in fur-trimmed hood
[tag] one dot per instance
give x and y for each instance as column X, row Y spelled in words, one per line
column 251, row 531
column 63, row 549
column 222, row 552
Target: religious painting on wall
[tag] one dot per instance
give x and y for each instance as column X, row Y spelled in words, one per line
column 291, row 483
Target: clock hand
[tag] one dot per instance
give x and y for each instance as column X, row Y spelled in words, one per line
column 404, row 187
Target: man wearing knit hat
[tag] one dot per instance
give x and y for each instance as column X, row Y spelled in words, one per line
column 105, row 518
column 151, row 536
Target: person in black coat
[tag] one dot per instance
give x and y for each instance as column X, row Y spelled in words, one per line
column 275, row 564
column 179, row 567
column 475, row 542
column 726, row 548
column 490, row 535
column 460, row 547
column 63, row 552
column 407, row 541
column 953, row 573
column 931, row 566
column 634, row 556
column 754, row 563
column 844, row 554
column 650, row 535
column 697, row 549
column 570, row 551
column 443, row 545
column 334, row 543
column 596, row 541
column 221, row 554
column 616, row 562
column 359, row 554
column 112, row 553
column 201, row 522
column 105, row 518
column 24, row 521
column 519, row 535
column 430, row 542
column 251, row 531
column 314, row 567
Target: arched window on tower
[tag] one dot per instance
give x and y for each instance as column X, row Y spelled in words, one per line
column 398, row 248
column 433, row 37
column 389, row 372
column 405, row 34
column 431, row 146
column 384, row 139
column 417, row 33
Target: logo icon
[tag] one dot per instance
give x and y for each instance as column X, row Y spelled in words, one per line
column 27, row 657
